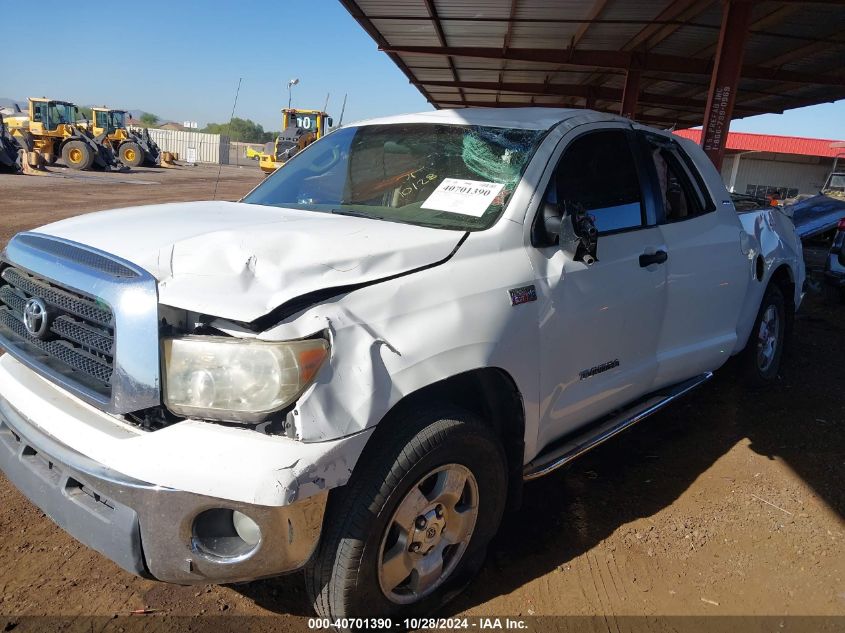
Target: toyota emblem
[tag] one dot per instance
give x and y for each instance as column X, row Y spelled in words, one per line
column 36, row 320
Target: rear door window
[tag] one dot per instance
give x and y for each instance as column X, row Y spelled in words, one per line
column 679, row 188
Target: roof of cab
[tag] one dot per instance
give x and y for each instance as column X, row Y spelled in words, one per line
column 515, row 118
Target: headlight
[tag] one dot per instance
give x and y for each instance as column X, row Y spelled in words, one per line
column 237, row 380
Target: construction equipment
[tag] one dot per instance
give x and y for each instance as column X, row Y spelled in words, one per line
column 10, row 152
column 132, row 148
column 50, row 129
column 300, row 128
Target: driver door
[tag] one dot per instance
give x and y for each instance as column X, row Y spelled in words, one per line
column 599, row 324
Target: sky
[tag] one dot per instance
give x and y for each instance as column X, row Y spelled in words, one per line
column 182, row 60
column 826, row 120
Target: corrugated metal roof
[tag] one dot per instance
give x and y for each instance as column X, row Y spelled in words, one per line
column 802, row 146
column 532, row 42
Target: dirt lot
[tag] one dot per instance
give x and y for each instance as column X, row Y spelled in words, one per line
column 729, row 503
column 30, row 201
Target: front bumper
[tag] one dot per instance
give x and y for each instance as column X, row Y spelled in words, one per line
column 147, row 529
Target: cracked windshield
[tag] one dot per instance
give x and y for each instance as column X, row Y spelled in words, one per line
column 443, row 176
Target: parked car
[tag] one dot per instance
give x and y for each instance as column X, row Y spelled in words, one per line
column 355, row 368
column 834, row 268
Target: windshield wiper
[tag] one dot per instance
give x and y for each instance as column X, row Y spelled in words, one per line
column 356, row 214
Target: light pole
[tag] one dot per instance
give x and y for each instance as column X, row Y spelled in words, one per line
column 291, row 84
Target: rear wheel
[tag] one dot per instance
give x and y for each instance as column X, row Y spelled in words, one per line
column 131, row 154
column 412, row 526
column 760, row 360
column 77, row 155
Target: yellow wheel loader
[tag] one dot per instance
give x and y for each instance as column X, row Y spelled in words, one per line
column 50, row 129
column 132, row 148
column 300, row 128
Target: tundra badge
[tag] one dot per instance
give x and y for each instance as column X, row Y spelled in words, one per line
column 523, row 294
column 592, row 371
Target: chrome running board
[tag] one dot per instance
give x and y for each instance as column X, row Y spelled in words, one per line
column 560, row 454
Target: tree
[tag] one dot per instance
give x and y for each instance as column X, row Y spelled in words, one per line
column 148, row 119
column 243, row 130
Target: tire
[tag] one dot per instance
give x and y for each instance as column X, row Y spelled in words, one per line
column 422, row 453
column 761, row 359
column 77, row 155
column 131, row 154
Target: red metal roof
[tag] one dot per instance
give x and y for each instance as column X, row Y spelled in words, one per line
column 745, row 141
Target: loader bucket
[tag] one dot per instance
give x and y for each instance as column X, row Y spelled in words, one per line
column 104, row 155
column 152, row 152
column 31, row 162
column 10, row 150
column 168, row 159
column 9, row 155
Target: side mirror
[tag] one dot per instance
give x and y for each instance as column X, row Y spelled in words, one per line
column 578, row 234
column 330, row 122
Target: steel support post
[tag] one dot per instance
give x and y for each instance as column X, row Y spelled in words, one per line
column 631, row 94
column 736, row 18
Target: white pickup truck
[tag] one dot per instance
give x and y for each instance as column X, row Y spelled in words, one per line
column 355, row 368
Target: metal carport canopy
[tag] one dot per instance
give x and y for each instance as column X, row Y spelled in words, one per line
column 668, row 63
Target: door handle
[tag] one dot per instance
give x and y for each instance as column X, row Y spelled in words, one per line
column 658, row 257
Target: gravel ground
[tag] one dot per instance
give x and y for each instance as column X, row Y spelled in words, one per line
column 729, row 503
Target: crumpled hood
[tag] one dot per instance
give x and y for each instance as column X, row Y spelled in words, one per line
column 240, row 261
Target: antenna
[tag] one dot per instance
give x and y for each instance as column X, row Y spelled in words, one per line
column 325, row 107
column 342, row 110
column 228, row 129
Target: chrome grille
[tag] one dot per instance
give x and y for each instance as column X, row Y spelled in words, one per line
column 102, row 337
column 54, row 295
column 80, row 344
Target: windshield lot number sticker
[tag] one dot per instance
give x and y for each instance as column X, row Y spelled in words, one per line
column 467, row 197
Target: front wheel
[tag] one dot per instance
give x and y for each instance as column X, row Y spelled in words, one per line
column 761, row 358
column 131, row 154
column 77, row 155
column 412, row 526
